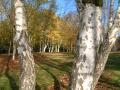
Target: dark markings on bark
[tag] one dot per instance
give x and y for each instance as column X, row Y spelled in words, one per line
column 81, row 56
column 78, row 37
column 95, row 39
column 84, row 76
column 84, row 58
column 92, row 27
column 18, row 7
column 19, row 13
column 89, row 74
column 84, row 24
column 18, row 31
column 84, row 48
column 86, row 28
column 92, row 46
column 92, row 14
column 80, row 40
column 81, row 20
column 24, row 24
column 81, row 82
column 100, row 18
column 89, row 20
column 86, row 37
column 81, row 66
column 18, row 25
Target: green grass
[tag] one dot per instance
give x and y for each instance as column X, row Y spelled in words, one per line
column 5, row 83
column 112, row 71
column 51, row 67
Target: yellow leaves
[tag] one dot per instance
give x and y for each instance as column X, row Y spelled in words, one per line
column 54, row 35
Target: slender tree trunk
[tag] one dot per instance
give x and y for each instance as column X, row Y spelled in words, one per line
column 106, row 47
column 9, row 49
column 44, row 48
column 71, row 47
column 27, row 70
column 40, row 47
column 49, row 49
column 52, row 48
column 14, row 51
column 58, row 48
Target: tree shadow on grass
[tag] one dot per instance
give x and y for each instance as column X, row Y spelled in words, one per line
column 37, row 87
column 57, row 85
column 12, row 81
column 109, row 82
column 113, row 65
column 57, row 65
column 113, row 62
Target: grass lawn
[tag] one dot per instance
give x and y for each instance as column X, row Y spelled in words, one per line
column 53, row 70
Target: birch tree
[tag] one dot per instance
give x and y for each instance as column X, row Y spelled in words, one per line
column 27, row 70
column 93, row 44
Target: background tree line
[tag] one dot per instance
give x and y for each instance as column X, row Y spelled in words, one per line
column 47, row 31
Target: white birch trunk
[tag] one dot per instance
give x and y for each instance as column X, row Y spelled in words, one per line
column 44, row 48
column 40, row 48
column 14, row 51
column 59, row 45
column 27, row 74
column 52, row 48
column 49, row 48
column 88, row 39
column 93, row 52
column 108, row 43
column 9, row 49
column 111, row 13
column 58, row 48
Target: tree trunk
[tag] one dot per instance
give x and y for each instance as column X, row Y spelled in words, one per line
column 40, row 47
column 27, row 72
column 93, row 47
column 14, row 51
column 58, row 48
column 106, row 47
column 44, row 48
column 9, row 50
column 87, row 41
column 52, row 48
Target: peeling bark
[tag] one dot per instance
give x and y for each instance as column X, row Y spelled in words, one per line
column 87, row 41
column 106, row 47
column 27, row 70
column 93, row 47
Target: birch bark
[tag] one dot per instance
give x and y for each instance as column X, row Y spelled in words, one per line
column 27, row 70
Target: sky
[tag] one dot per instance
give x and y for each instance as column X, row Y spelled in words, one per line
column 115, row 3
column 65, row 6
column 106, row 6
